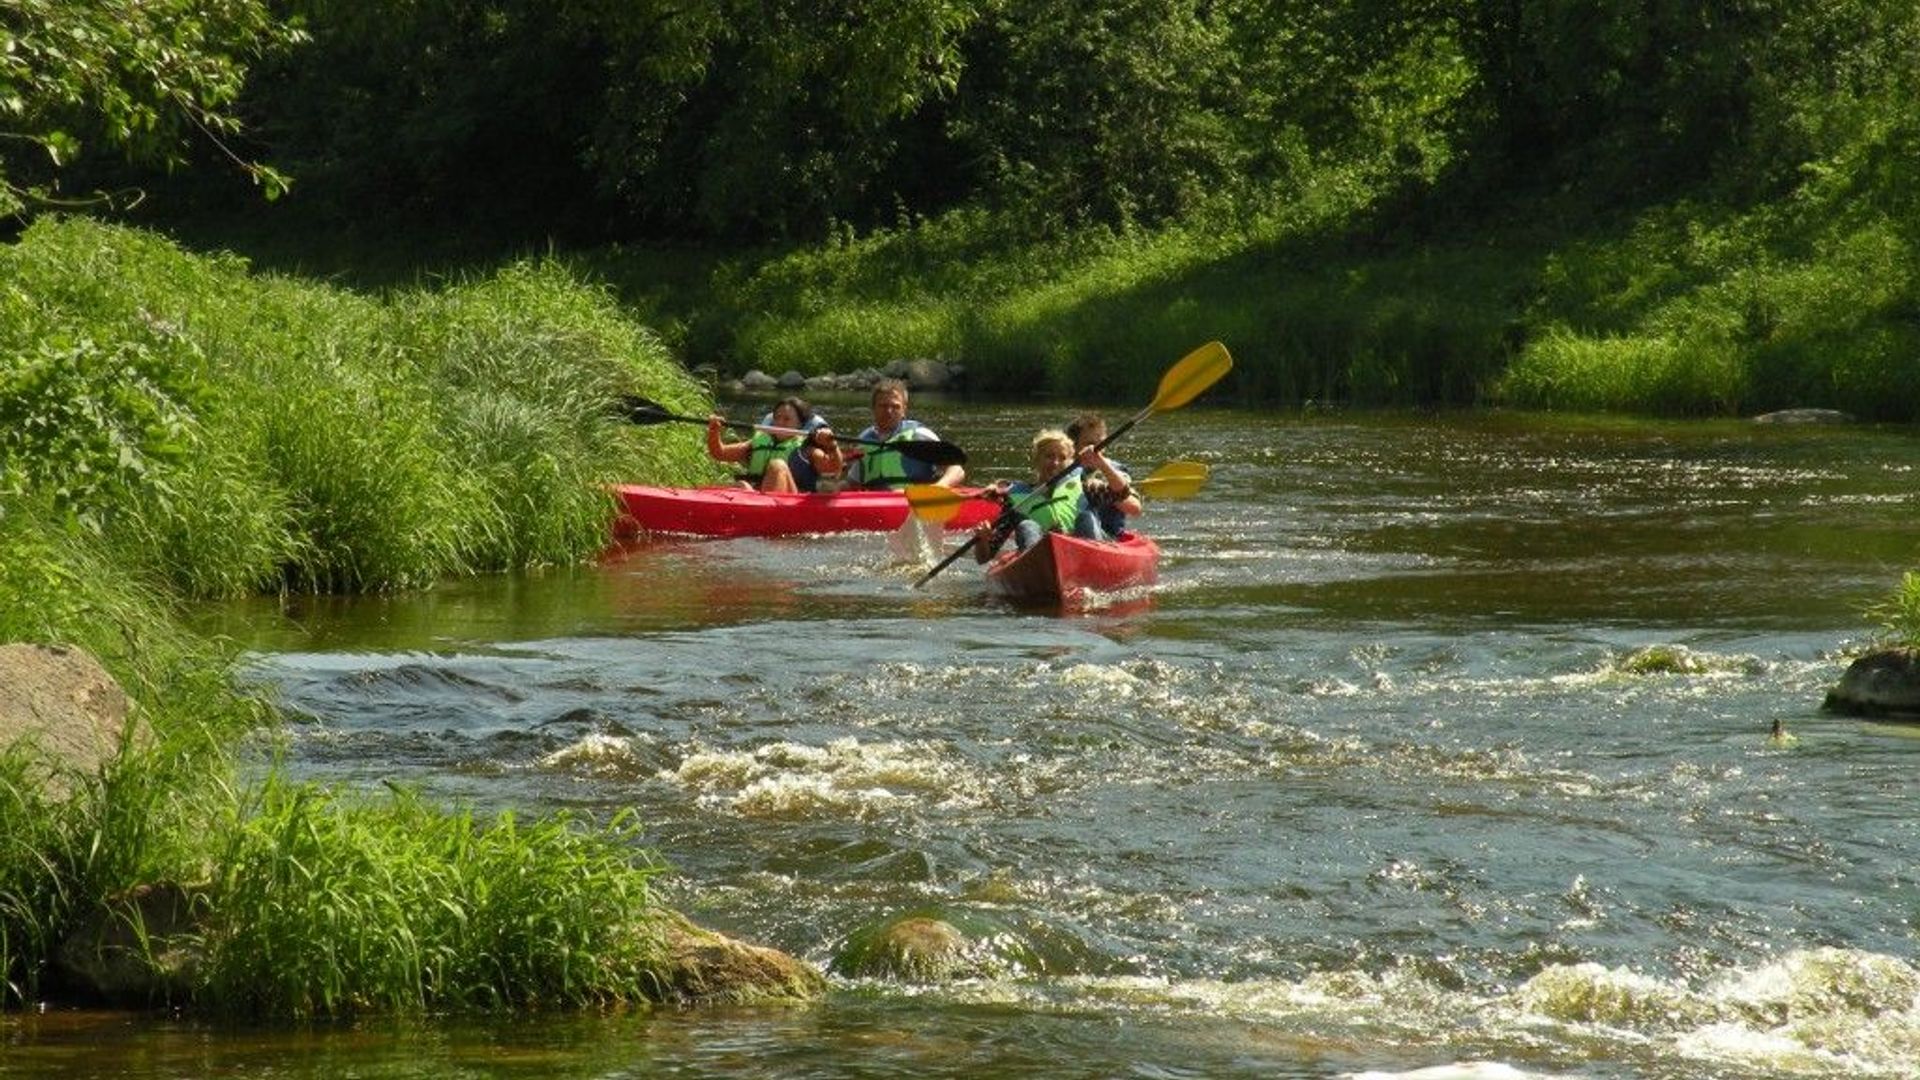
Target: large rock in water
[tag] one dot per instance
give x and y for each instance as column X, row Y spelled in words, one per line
column 63, row 704
column 1885, row 682
column 704, row 966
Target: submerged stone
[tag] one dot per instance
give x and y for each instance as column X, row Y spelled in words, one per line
column 948, row 944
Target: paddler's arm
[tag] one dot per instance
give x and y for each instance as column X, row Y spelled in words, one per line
column 1119, row 486
column 718, row 450
column 825, row 452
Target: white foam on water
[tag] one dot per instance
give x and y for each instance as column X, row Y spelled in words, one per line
column 600, row 755
column 1816, row 1013
column 846, row 776
column 1462, row 1070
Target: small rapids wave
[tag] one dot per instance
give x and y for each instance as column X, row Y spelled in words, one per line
column 1818, row 1012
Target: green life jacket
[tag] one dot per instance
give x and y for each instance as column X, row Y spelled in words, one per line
column 763, row 448
column 1053, row 511
column 883, row 467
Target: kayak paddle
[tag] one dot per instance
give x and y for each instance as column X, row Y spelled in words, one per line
column 1174, row 480
column 935, row 452
column 1183, row 382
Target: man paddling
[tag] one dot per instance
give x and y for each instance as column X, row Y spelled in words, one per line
column 884, row 468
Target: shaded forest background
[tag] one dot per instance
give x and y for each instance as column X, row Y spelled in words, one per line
column 1644, row 205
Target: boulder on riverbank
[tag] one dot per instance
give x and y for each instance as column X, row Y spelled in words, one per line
column 1883, row 683
column 58, row 701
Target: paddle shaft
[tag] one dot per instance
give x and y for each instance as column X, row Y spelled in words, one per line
column 933, row 452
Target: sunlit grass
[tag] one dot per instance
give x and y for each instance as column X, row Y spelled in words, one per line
column 328, row 907
column 242, row 431
column 181, row 427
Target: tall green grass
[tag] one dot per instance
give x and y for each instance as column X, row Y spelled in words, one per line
column 1099, row 313
column 173, row 426
column 239, row 431
column 67, row 848
column 324, row 906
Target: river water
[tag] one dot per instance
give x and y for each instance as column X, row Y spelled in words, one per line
column 1379, row 779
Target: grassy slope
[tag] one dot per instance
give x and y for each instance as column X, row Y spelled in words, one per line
column 177, row 426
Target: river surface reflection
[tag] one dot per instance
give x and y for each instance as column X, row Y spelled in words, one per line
column 1374, row 780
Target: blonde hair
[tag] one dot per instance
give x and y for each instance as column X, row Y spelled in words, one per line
column 1052, row 437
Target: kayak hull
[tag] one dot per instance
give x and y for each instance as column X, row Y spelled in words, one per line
column 1063, row 569
column 737, row 512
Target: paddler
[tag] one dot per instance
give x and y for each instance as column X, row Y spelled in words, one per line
column 1063, row 507
column 879, row 468
column 791, row 458
column 1113, row 503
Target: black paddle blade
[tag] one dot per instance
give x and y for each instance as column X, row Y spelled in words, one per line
column 638, row 410
column 934, row 452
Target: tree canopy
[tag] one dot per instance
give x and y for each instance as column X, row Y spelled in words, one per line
column 145, row 76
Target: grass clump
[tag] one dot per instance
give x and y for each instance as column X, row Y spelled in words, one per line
column 329, row 907
column 173, row 426
column 1897, row 614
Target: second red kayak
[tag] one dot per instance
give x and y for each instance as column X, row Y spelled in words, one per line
column 734, row 512
column 1063, row 569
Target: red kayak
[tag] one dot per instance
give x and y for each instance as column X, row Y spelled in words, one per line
column 733, row 511
column 1063, row 569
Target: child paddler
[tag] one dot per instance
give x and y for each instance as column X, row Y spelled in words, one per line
column 791, row 459
column 1113, row 503
column 1063, row 507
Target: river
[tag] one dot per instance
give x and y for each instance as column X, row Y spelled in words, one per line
column 1378, row 779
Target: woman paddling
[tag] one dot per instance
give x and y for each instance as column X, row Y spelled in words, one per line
column 1060, row 507
column 790, row 459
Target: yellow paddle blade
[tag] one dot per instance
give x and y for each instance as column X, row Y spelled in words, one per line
column 1195, row 372
column 931, row 502
column 1174, row 480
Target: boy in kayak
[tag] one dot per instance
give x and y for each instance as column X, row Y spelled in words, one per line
column 792, row 459
column 880, row 468
column 1113, row 503
column 1040, row 509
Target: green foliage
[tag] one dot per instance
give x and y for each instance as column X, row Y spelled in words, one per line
column 145, row 76
column 144, row 818
column 86, row 423
column 236, row 432
column 324, row 907
column 1898, row 613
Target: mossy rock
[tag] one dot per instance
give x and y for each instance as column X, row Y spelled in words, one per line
column 707, row 967
column 1663, row 660
column 948, row 944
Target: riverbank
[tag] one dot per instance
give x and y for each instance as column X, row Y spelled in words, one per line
column 176, row 428
column 1337, row 295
